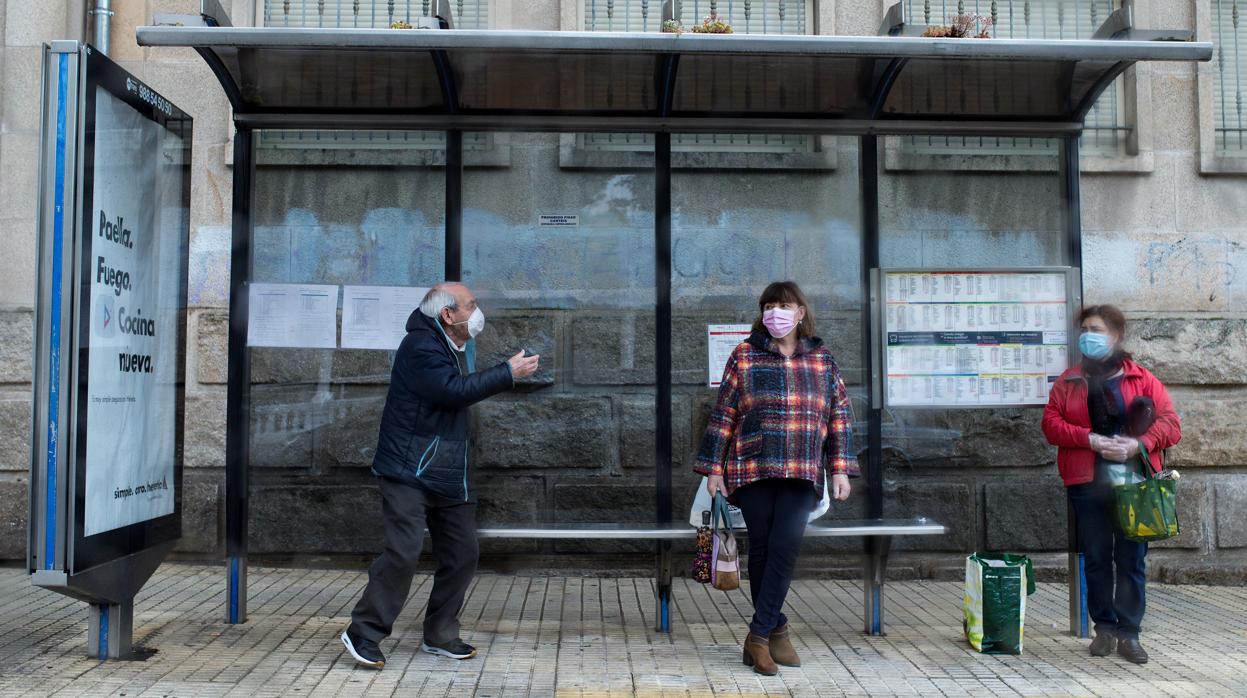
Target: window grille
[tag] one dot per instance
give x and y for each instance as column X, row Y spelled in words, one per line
column 746, row 17
column 1107, row 131
column 366, row 14
column 1229, row 33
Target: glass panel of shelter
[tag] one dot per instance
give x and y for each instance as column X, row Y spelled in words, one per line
column 563, row 264
column 934, row 457
column 734, row 232
column 315, row 411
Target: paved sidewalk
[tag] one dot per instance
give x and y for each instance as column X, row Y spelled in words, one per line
column 560, row 636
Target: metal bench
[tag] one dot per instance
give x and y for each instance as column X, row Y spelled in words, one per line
column 877, row 532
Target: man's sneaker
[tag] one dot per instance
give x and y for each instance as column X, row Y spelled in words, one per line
column 365, row 653
column 455, row 649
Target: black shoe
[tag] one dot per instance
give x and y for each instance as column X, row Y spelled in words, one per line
column 1130, row 648
column 366, row 653
column 1103, row 644
column 455, row 649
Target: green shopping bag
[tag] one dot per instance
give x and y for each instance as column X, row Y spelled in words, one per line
column 1148, row 510
column 994, row 604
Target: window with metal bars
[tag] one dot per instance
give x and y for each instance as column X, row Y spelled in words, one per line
column 1229, row 33
column 746, row 17
column 368, row 14
column 1107, row 129
column 365, row 14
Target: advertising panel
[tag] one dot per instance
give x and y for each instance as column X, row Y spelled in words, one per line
column 132, row 247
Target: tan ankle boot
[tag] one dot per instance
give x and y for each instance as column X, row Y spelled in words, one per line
column 758, row 655
column 782, row 650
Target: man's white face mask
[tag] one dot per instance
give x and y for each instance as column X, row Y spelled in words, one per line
column 475, row 323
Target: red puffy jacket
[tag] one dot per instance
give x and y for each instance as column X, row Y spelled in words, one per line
column 1067, row 420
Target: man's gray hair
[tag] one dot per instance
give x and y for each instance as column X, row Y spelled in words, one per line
column 436, row 299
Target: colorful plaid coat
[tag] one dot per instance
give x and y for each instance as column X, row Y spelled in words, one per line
column 779, row 417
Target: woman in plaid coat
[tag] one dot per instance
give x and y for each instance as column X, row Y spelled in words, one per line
column 781, row 422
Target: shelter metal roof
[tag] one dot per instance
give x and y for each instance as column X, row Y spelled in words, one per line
column 606, row 81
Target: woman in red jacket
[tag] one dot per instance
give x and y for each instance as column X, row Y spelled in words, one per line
column 1099, row 415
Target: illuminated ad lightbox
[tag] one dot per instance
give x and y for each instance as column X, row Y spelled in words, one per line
column 130, row 317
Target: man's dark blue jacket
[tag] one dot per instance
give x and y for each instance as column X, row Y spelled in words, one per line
column 425, row 426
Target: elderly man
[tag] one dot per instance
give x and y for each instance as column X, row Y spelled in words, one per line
column 422, row 463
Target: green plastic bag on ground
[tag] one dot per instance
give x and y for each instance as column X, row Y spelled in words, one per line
column 994, row 604
column 1148, row 510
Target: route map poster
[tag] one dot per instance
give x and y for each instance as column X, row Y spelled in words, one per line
column 964, row 338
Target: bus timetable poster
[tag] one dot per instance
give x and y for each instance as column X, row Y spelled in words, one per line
column 974, row 338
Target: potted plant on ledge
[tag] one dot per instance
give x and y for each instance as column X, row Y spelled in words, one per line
column 970, row 26
column 712, row 24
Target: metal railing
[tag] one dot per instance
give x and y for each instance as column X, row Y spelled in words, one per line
column 1107, row 131
column 746, row 17
column 1230, row 36
column 369, row 140
column 368, row 14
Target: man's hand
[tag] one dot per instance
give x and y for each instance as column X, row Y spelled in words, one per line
column 523, row 366
column 714, row 483
column 840, row 487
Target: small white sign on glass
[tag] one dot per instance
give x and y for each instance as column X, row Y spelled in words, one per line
column 375, row 317
column 721, row 341
column 293, row 315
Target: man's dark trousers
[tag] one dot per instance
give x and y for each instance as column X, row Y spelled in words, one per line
column 452, row 528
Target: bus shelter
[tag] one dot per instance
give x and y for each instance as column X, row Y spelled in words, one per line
column 657, row 88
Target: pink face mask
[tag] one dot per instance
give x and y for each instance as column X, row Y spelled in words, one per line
column 779, row 322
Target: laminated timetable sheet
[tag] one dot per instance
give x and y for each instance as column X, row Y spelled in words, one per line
column 974, row 338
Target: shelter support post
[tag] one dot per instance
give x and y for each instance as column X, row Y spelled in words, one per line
column 662, row 377
column 876, row 549
column 110, row 629
column 876, row 571
column 454, row 205
column 1071, row 223
column 238, row 390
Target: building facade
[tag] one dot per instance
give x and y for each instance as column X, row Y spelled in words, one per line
column 1164, row 216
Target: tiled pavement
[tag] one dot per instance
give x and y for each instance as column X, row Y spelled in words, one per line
column 572, row 636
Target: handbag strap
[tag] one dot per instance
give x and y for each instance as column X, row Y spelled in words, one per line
column 1147, row 462
column 721, row 517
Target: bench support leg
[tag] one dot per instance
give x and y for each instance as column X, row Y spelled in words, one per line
column 662, row 588
column 876, row 568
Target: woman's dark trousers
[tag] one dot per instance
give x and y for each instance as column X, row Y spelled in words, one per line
column 776, row 512
column 1109, row 559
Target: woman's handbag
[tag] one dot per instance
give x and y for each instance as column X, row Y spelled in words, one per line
column 1147, row 510
column 703, row 558
column 725, row 570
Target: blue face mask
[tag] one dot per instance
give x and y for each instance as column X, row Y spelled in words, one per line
column 1094, row 345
